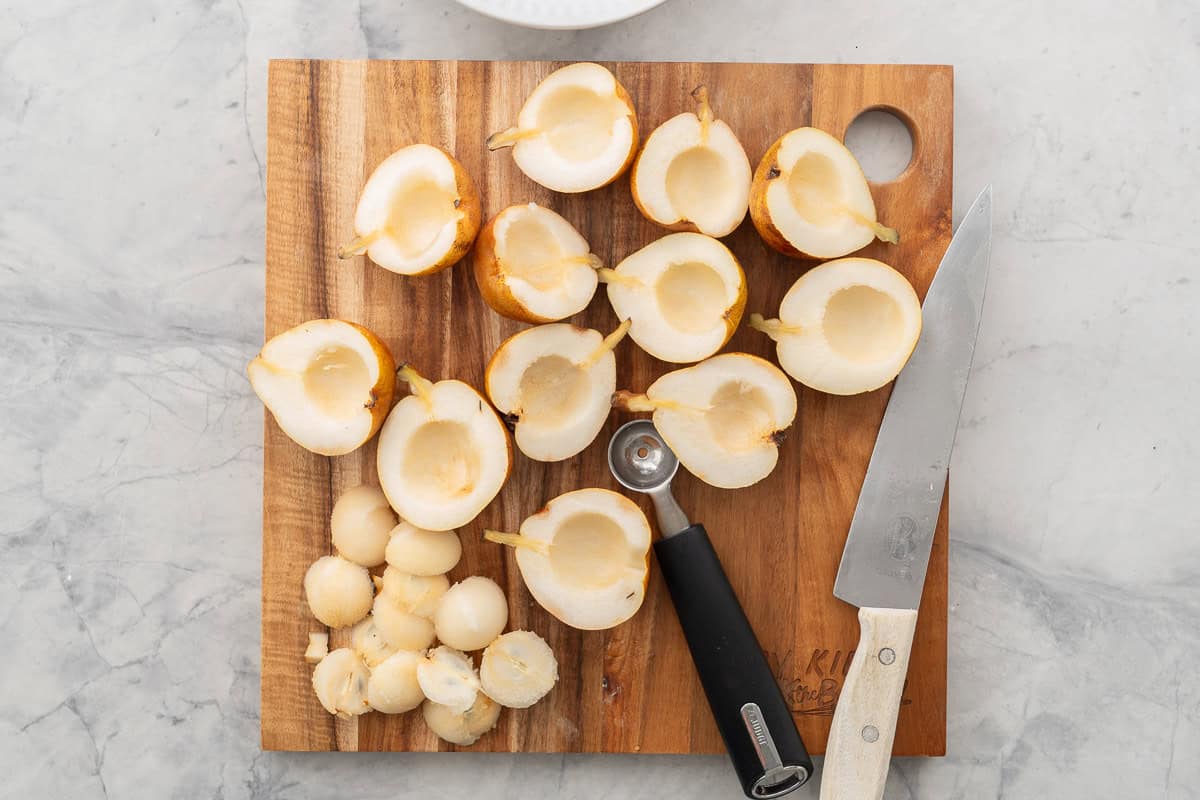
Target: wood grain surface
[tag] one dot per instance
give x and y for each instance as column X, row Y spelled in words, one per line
column 631, row 689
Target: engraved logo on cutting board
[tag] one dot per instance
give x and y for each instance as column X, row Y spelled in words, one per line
column 811, row 684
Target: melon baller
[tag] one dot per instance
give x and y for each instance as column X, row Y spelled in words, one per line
column 750, row 711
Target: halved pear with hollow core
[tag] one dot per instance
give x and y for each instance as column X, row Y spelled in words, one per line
column 532, row 265
column 577, row 130
column 846, row 326
column 418, row 213
column 693, row 174
column 810, row 198
column 684, row 294
column 443, row 454
column 584, row 557
column 724, row 418
column 328, row 383
column 556, row 380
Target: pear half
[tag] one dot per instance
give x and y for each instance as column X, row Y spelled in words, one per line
column 328, row 383
column 556, row 380
column 724, row 418
column 577, row 130
column 443, row 453
column 531, row 265
column 684, row 294
column 810, row 198
column 693, row 174
column 584, row 557
column 846, row 326
column 418, row 213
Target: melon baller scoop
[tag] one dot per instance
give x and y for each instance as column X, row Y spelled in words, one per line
column 751, row 714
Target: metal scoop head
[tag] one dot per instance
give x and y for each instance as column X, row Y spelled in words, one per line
column 640, row 460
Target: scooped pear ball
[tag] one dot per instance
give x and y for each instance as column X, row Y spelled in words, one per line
column 361, row 522
column 421, row 552
column 518, row 669
column 404, row 605
column 462, row 727
column 447, row 676
column 393, row 686
column 472, row 614
column 401, row 629
column 340, row 681
column 369, row 642
column 339, row 592
column 416, row 594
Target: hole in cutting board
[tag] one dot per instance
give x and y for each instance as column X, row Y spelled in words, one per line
column 882, row 143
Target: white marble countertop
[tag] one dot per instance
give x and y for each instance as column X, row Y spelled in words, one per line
column 131, row 280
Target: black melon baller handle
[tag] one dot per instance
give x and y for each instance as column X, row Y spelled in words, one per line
column 751, row 714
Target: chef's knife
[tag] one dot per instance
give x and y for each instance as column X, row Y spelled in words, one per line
column 883, row 565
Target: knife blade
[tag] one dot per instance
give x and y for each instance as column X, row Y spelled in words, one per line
column 887, row 550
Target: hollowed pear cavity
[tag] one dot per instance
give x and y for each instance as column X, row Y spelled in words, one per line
column 696, row 179
column 815, row 188
column 338, row 381
column 691, row 296
column 442, row 460
column 552, row 388
column 578, row 121
column 591, row 550
column 419, row 210
column 532, row 254
column 740, row 416
column 863, row 324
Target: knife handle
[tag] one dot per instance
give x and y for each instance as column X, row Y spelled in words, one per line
column 864, row 723
column 751, row 714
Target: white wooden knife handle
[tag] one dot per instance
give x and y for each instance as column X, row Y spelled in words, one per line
column 864, row 722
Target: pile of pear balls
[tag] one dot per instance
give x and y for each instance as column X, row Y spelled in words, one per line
column 391, row 664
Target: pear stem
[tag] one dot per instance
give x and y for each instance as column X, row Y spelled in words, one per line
column 607, row 275
column 704, row 113
column 359, row 245
column 420, row 386
column 517, row 540
column 274, row 369
column 626, row 400
column 882, row 232
column 607, row 346
column 509, row 137
column 774, row 328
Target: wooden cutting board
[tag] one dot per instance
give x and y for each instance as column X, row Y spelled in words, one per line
column 631, row 689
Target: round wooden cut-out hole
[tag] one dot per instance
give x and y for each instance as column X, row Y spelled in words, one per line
column 882, row 143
